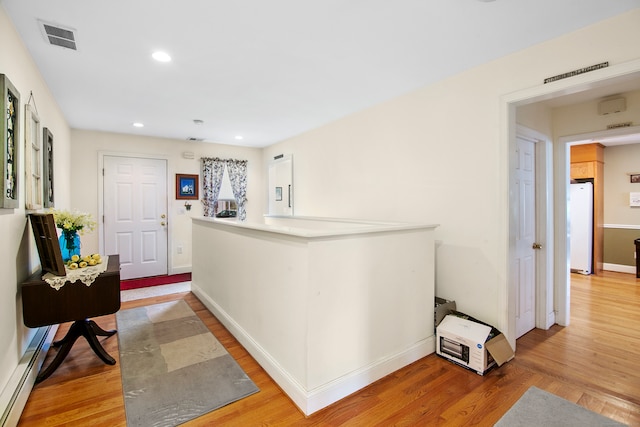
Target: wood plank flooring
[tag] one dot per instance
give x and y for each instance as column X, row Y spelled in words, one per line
column 594, row 362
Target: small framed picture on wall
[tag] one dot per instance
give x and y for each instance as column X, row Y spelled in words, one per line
column 635, row 178
column 186, row 186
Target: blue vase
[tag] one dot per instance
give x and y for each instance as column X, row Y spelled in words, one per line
column 69, row 244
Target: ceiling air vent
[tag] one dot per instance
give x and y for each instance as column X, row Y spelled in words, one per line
column 193, row 138
column 58, row 36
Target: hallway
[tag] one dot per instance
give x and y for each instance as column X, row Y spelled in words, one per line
column 593, row 363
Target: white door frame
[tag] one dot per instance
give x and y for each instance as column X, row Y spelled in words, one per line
column 277, row 168
column 592, row 137
column 101, row 156
column 544, row 312
column 558, row 196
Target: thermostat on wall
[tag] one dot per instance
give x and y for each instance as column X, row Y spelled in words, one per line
column 634, row 199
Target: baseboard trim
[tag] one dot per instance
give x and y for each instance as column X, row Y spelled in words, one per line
column 551, row 319
column 340, row 388
column 310, row 401
column 180, row 270
column 15, row 394
column 619, row 268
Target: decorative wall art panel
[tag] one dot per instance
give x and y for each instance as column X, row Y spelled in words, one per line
column 47, row 168
column 9, row 137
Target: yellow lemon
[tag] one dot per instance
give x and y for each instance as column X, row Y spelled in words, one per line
column 75, row 258
column 83, row 264
column 73, row 266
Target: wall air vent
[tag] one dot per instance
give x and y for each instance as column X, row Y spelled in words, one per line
column 612, row 106
column 58, row 36
column 193, row 138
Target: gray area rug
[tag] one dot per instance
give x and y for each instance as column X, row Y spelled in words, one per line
column 173, row 368
column 539, row 408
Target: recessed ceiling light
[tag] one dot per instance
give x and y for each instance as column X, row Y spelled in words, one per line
column 161, row 56
column 138, row 125
column 238, row 137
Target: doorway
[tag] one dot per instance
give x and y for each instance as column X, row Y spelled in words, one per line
column 605, row 144
column 531, row 226
column 281, row 186
column 555, row 217
column 134, row 207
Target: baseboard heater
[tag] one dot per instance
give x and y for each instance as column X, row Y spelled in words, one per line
column 15, row 394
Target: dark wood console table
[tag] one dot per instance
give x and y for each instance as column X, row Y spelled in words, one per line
column 75, row 302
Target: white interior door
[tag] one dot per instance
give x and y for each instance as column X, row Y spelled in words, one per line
column 135, row 214
column 525, row 262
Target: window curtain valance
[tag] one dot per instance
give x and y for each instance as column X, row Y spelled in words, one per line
column 212, row 173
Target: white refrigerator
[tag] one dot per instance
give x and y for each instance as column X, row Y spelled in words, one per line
column 581, row 227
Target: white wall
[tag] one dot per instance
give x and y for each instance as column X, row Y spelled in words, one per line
column 583, row 118
column 536, row 117
column 433, row 155
column 18, row 257
column 85, row 155
column 619, row 161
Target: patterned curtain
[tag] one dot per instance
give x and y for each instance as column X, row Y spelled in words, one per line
column 212, row 171
column 238, row 176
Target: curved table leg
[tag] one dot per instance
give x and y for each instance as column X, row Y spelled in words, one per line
column 72, row 335
column 90, row 335
column 65, row 345
column 86, row 328
column 97, row 330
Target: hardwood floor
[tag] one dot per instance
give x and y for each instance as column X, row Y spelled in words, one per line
column 593, row 362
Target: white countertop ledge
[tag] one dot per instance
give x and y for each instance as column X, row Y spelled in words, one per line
column 314, row 227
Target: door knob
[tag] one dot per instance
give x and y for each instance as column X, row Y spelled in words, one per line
column 162, row 223
column 537, row 246
column 163, row 216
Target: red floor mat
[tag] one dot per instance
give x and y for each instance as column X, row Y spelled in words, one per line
column 145, row 282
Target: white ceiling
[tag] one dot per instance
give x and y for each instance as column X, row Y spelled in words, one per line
column 269, row 70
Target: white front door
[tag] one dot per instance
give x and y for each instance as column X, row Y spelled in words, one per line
column 525, row 260
column 135, row 214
